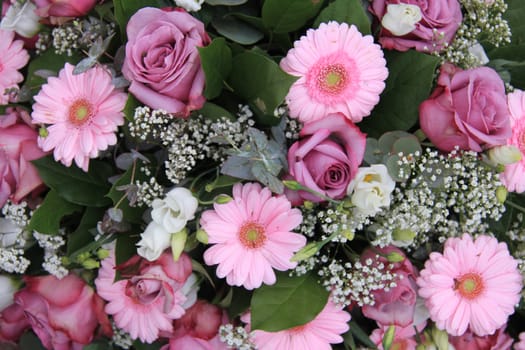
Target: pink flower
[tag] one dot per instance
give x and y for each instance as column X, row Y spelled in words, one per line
column 469, row 341
column 56, row 10
column 327, row 156
column 395, row 306
column 521, row 344
column 84, row 111
column 473, row 284
column 438, row 25
column 198, row 328
column 339, row 70
column 251, row 236
column 162, row 61
column 18, row 147
column 64, row 313
column 13, row 322
column 325, row 329
column 13, row 58
column 514, row 176
column 467, row 109
column 404, row 337
column 145, row 304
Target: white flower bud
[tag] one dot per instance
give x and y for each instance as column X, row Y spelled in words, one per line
column 8, row 287
column 22, row 19
column 155, row 239
column 190, row 5
column 401, row 19
column 504, row 155
column 479, row 52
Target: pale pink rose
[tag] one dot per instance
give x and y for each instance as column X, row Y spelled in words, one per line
column 326, row 157
column 64, row 314
column 438, row 25
column 13, row 58
column 395, row 306
column 162, row 61
column 13, row 322
column 18, row 147
column 59, row 11
column 469, row 341
column 468, row 109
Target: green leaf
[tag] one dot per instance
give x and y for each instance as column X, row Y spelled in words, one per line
column 138, row 345
column 411, row 73
column 75, row 185
column 226, row 2
column 214, row 112
column 129, row 108
column 260, row 81
column 514, row 16
column 125, row 247
column 345, row 11
column 237, row 30
column 290, row 302
column 286, row 16
column 216, row 60
column 361, row 335
column 46, row 218
column 513, row 57
column 124, row 9
column 29, row 341
column 82, row 235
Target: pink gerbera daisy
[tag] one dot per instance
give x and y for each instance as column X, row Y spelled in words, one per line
column 473, row 284
column 252, row 235
column 339, row 70
column 12, row 59
column 325, row 329
column 84, row 111
column 514, row 176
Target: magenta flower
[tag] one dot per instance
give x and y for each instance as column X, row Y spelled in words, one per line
column 13, row 58
column 474, row 285
column 339, row 70
column 251, row 236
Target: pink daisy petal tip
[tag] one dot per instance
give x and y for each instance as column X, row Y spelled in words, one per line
column 474, row 285
column 251, row 236
column 82, row 113
column 339, row 70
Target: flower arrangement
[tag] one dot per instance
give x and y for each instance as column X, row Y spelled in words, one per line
column 273, row 175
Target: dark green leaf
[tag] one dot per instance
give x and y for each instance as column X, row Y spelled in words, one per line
column 124, row 9
column 141, row 346
column 412, row 73
column 240, row 302
column 286, row 16
column 345, row 11
column 214, row 112
column 75, row 185
column 290, row 302
column 237, row 30
column 267, row 85
column 514, row 56
column 29, row 341
column 82, row 236
column 514, row 15
column 99, row 345
column 361, row 335
column 125, row 247
column 46, row 218
column 216, row 60
column 226, row 2
column 129, row 108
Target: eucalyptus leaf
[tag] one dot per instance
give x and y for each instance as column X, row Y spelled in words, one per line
column 237, row 30
column 345, row 11
column 238, row 167
column 286, row 16
column 261, row 173
column 290, row 302
column 84, row 65
column 75, row 185
column 373, row 153
column 46, row 218
column 216, row 61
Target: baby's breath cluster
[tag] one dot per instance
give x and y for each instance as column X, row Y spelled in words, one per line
column 350, row 283
column 235, row 337
column 52, row 261
column 481, row 22
column 189, row 141
column 13, row 237
column 121, row 338
column 444, row 196
column 17, row 213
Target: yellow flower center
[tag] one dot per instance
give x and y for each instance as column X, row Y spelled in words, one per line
column 469, row 285
column 252, row 235
column 332, row 78
column 80, row 112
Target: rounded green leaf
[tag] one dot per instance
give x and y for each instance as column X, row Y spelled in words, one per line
column 345, row 11
column 286, row 16
column 216, row 61
column 237, row 30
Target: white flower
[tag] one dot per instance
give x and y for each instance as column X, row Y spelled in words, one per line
column 22, row 19
column 8, row 287
column 370, row 189
column 401, row 19
column 504, row 155
column 478, row 51
column 190, row 5
column 190, row 289
column 155, row 239
column 175, row 210
column 9, row 233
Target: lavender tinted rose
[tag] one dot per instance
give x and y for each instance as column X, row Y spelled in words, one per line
column 162, row 61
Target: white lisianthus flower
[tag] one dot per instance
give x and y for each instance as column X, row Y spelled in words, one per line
column 479, row 52
column 175, row 210
column 190, row 5
column 155, row 239
column 22, row 19
column 8, row 287
column 504, row 155
column 401, row 19
column 370, row 189
column 9, row 232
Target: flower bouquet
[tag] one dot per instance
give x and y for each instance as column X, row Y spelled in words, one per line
column 262, row 174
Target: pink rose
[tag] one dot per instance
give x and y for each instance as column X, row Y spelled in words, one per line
column 404, row 337
column 469, row 341
column 396, row 305
column 60, row 11
column 13, row 322
column 64, row 314
column 18, row 147
column 439, row 22
column 327, row 157
column 468, row 109
column 13, row 58
column 162, row 61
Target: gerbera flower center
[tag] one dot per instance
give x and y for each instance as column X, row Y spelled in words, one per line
column 332, row 78
column 252, row 235
column 80, row 112
column 470, row 285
